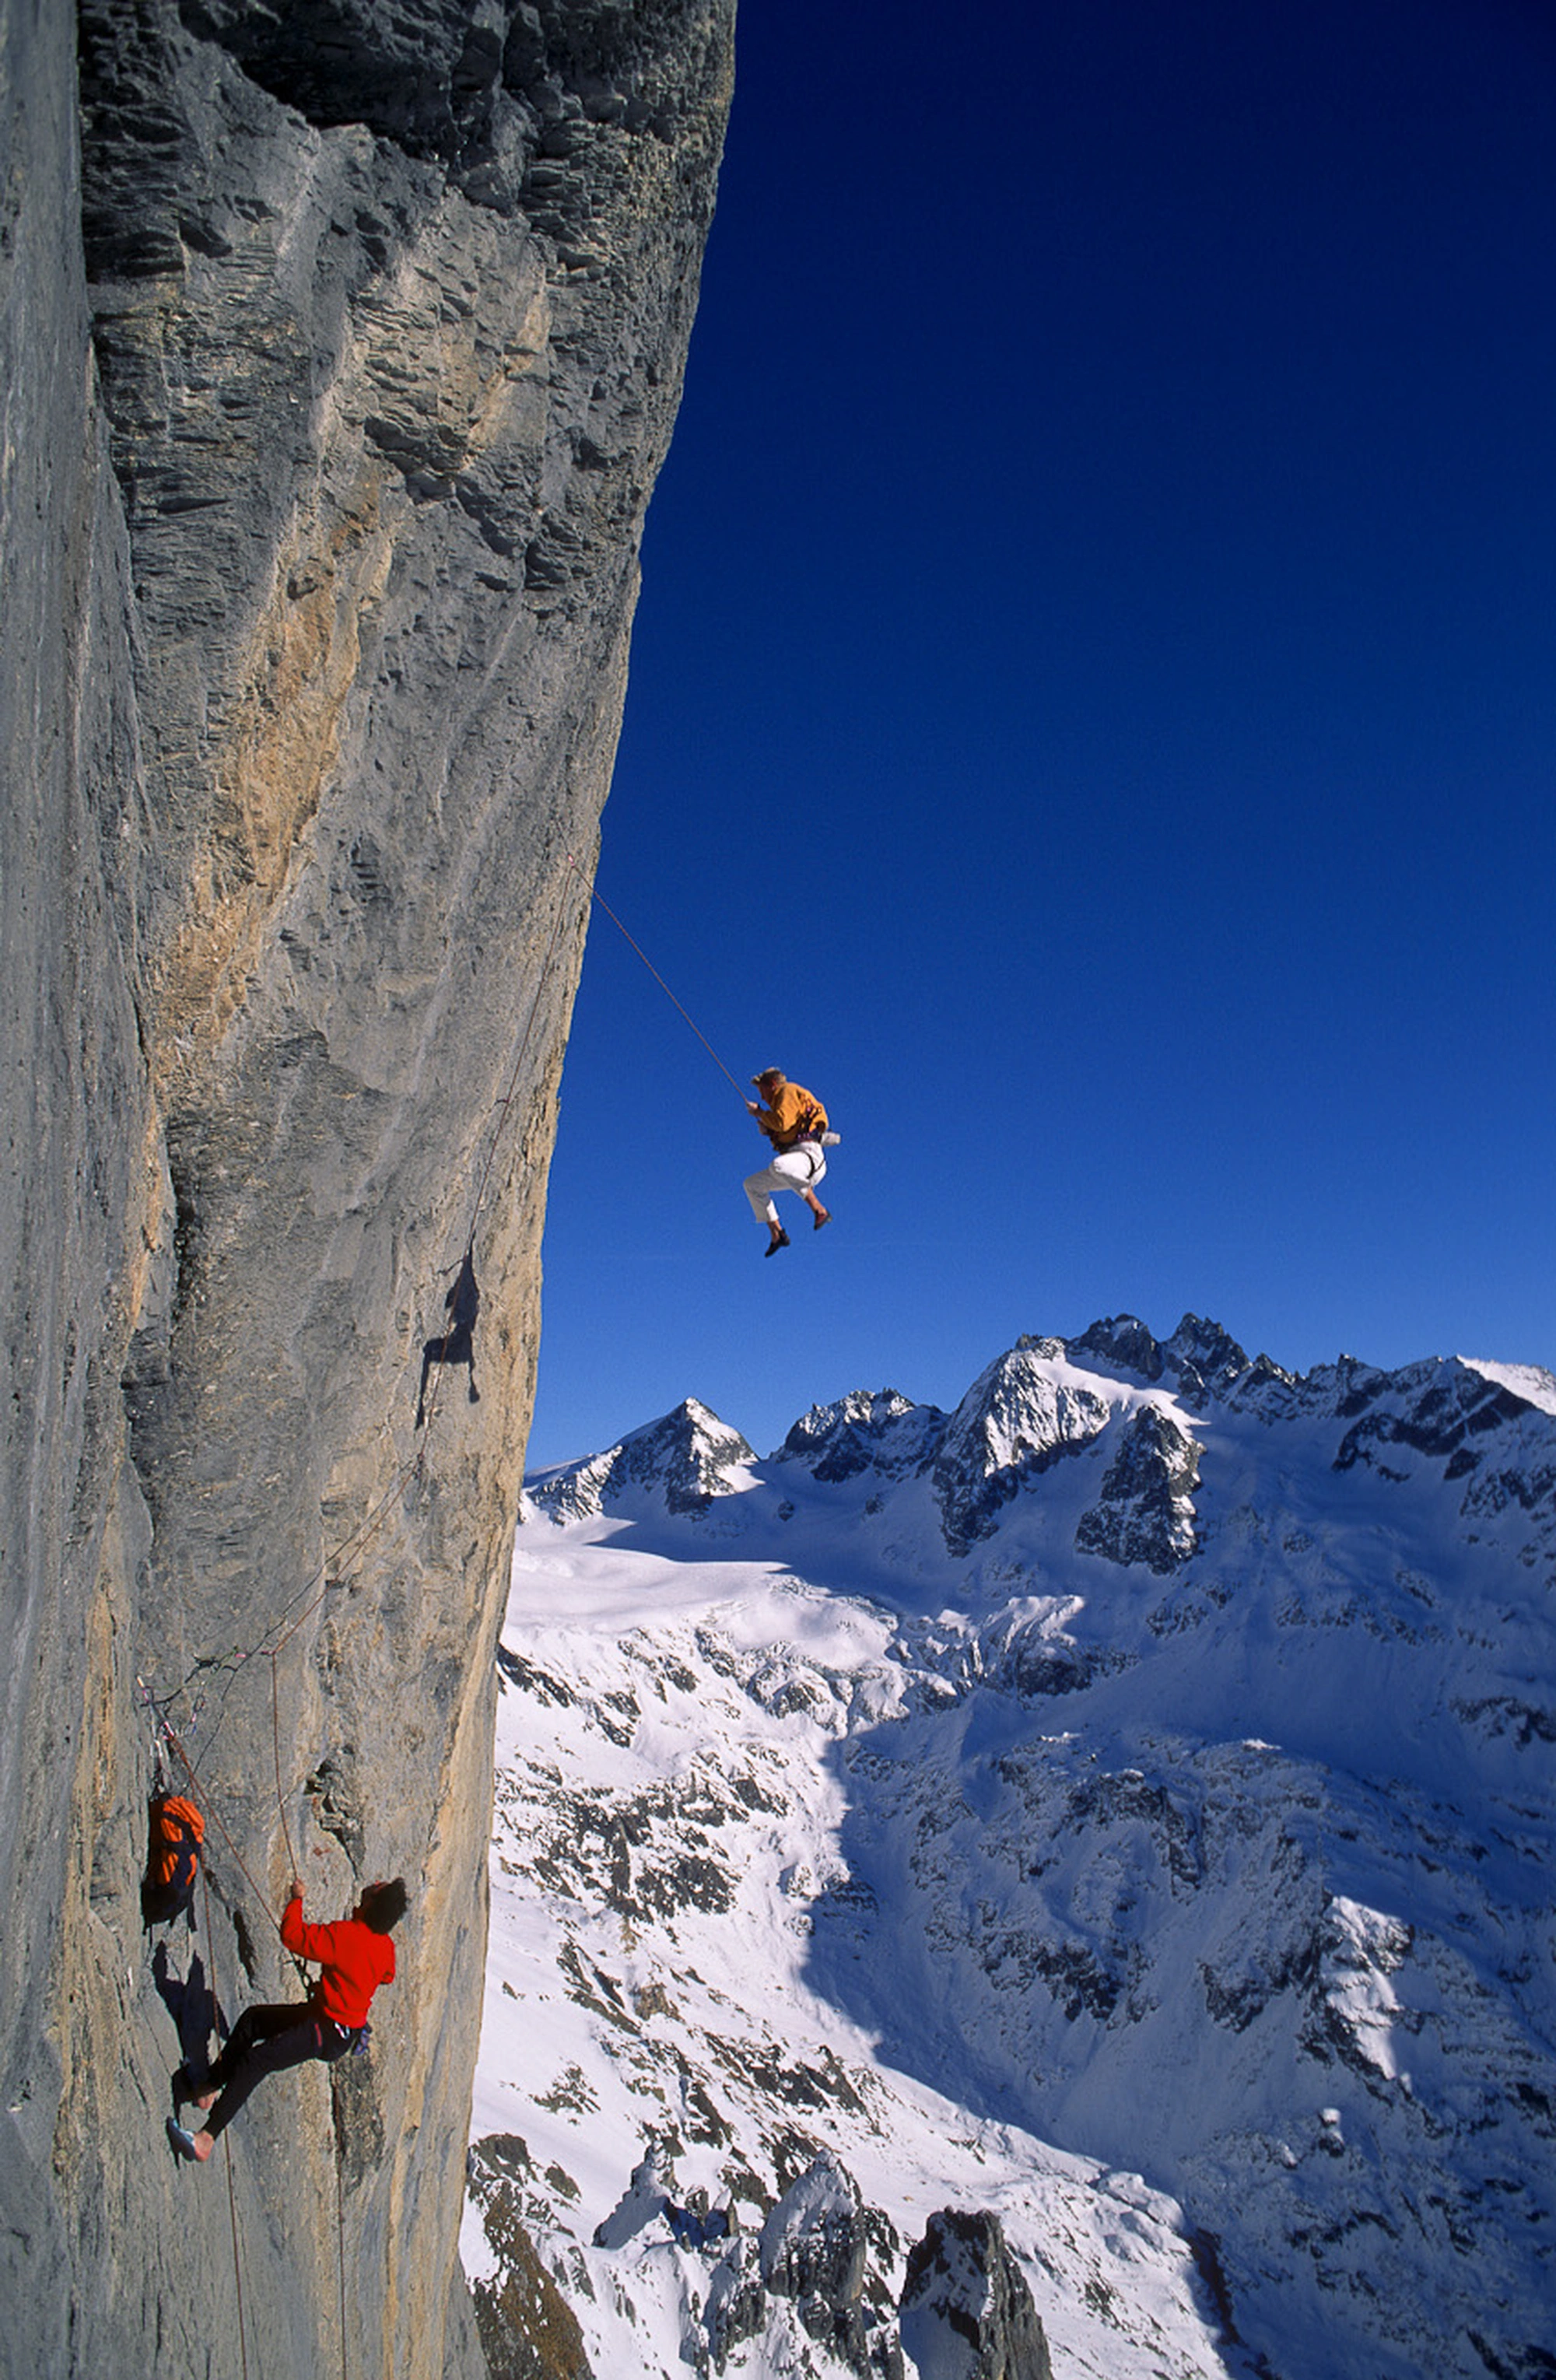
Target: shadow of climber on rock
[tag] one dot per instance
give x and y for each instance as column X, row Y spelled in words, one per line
column 457, row 1343
column 189, row 2001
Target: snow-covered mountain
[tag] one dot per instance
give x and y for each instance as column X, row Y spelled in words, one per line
column 1120, row 1809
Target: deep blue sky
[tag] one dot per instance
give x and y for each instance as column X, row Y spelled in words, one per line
column 1092, row 712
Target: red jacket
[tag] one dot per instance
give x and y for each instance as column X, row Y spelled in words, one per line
column 353, row 1958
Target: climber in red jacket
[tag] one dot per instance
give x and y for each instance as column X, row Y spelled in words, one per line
column 354, row 1957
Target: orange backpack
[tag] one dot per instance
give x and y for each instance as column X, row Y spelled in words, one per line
column 176, row 1831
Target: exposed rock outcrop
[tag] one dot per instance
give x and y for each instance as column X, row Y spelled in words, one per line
column 1146, row 1511
column 812, row 2249
column 966, row 2311
column 1015, row 1423
column 339, row 358
column 527, row 2330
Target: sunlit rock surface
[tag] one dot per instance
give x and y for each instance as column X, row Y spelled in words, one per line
column 341, row 349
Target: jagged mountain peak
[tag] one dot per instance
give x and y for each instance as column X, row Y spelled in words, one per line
column 878, row 1430
column 1201, row 1361
column 1115, row 1397
column 683, row 1460
column 1202, row 1352
column 1024, row 1413
column 1123, row 1341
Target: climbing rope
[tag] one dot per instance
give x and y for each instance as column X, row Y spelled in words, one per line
column 596, row 894
column 349, row 1553
column 340, row 2220
column 341, row 1562
column 331, row 1574
column 327, row 1575
column 226, row 2160
column 325, row 1579
column 275, row 1742
column 236, row 2265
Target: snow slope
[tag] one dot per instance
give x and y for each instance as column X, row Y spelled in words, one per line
column 1124, row 1804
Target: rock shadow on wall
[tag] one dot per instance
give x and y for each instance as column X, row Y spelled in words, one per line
column 457, row 1344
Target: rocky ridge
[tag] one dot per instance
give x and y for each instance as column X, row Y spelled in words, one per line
column 340, row 349
column 1156, row 1865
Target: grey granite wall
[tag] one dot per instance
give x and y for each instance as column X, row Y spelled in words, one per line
column 340, row 355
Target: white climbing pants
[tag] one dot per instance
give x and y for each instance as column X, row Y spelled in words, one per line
column 796, row 1168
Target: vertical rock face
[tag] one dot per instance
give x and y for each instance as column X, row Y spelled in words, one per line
column 336, row 376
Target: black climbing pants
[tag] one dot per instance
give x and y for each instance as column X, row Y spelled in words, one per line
column 266, row 2040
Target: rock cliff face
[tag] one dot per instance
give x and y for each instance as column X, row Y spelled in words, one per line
column 340, row 348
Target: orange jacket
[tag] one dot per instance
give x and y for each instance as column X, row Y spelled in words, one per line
column 353, row 1958
column 795, row 1114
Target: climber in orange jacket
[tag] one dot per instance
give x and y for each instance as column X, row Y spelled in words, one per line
column 794, row 1121
column 354, row 1957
